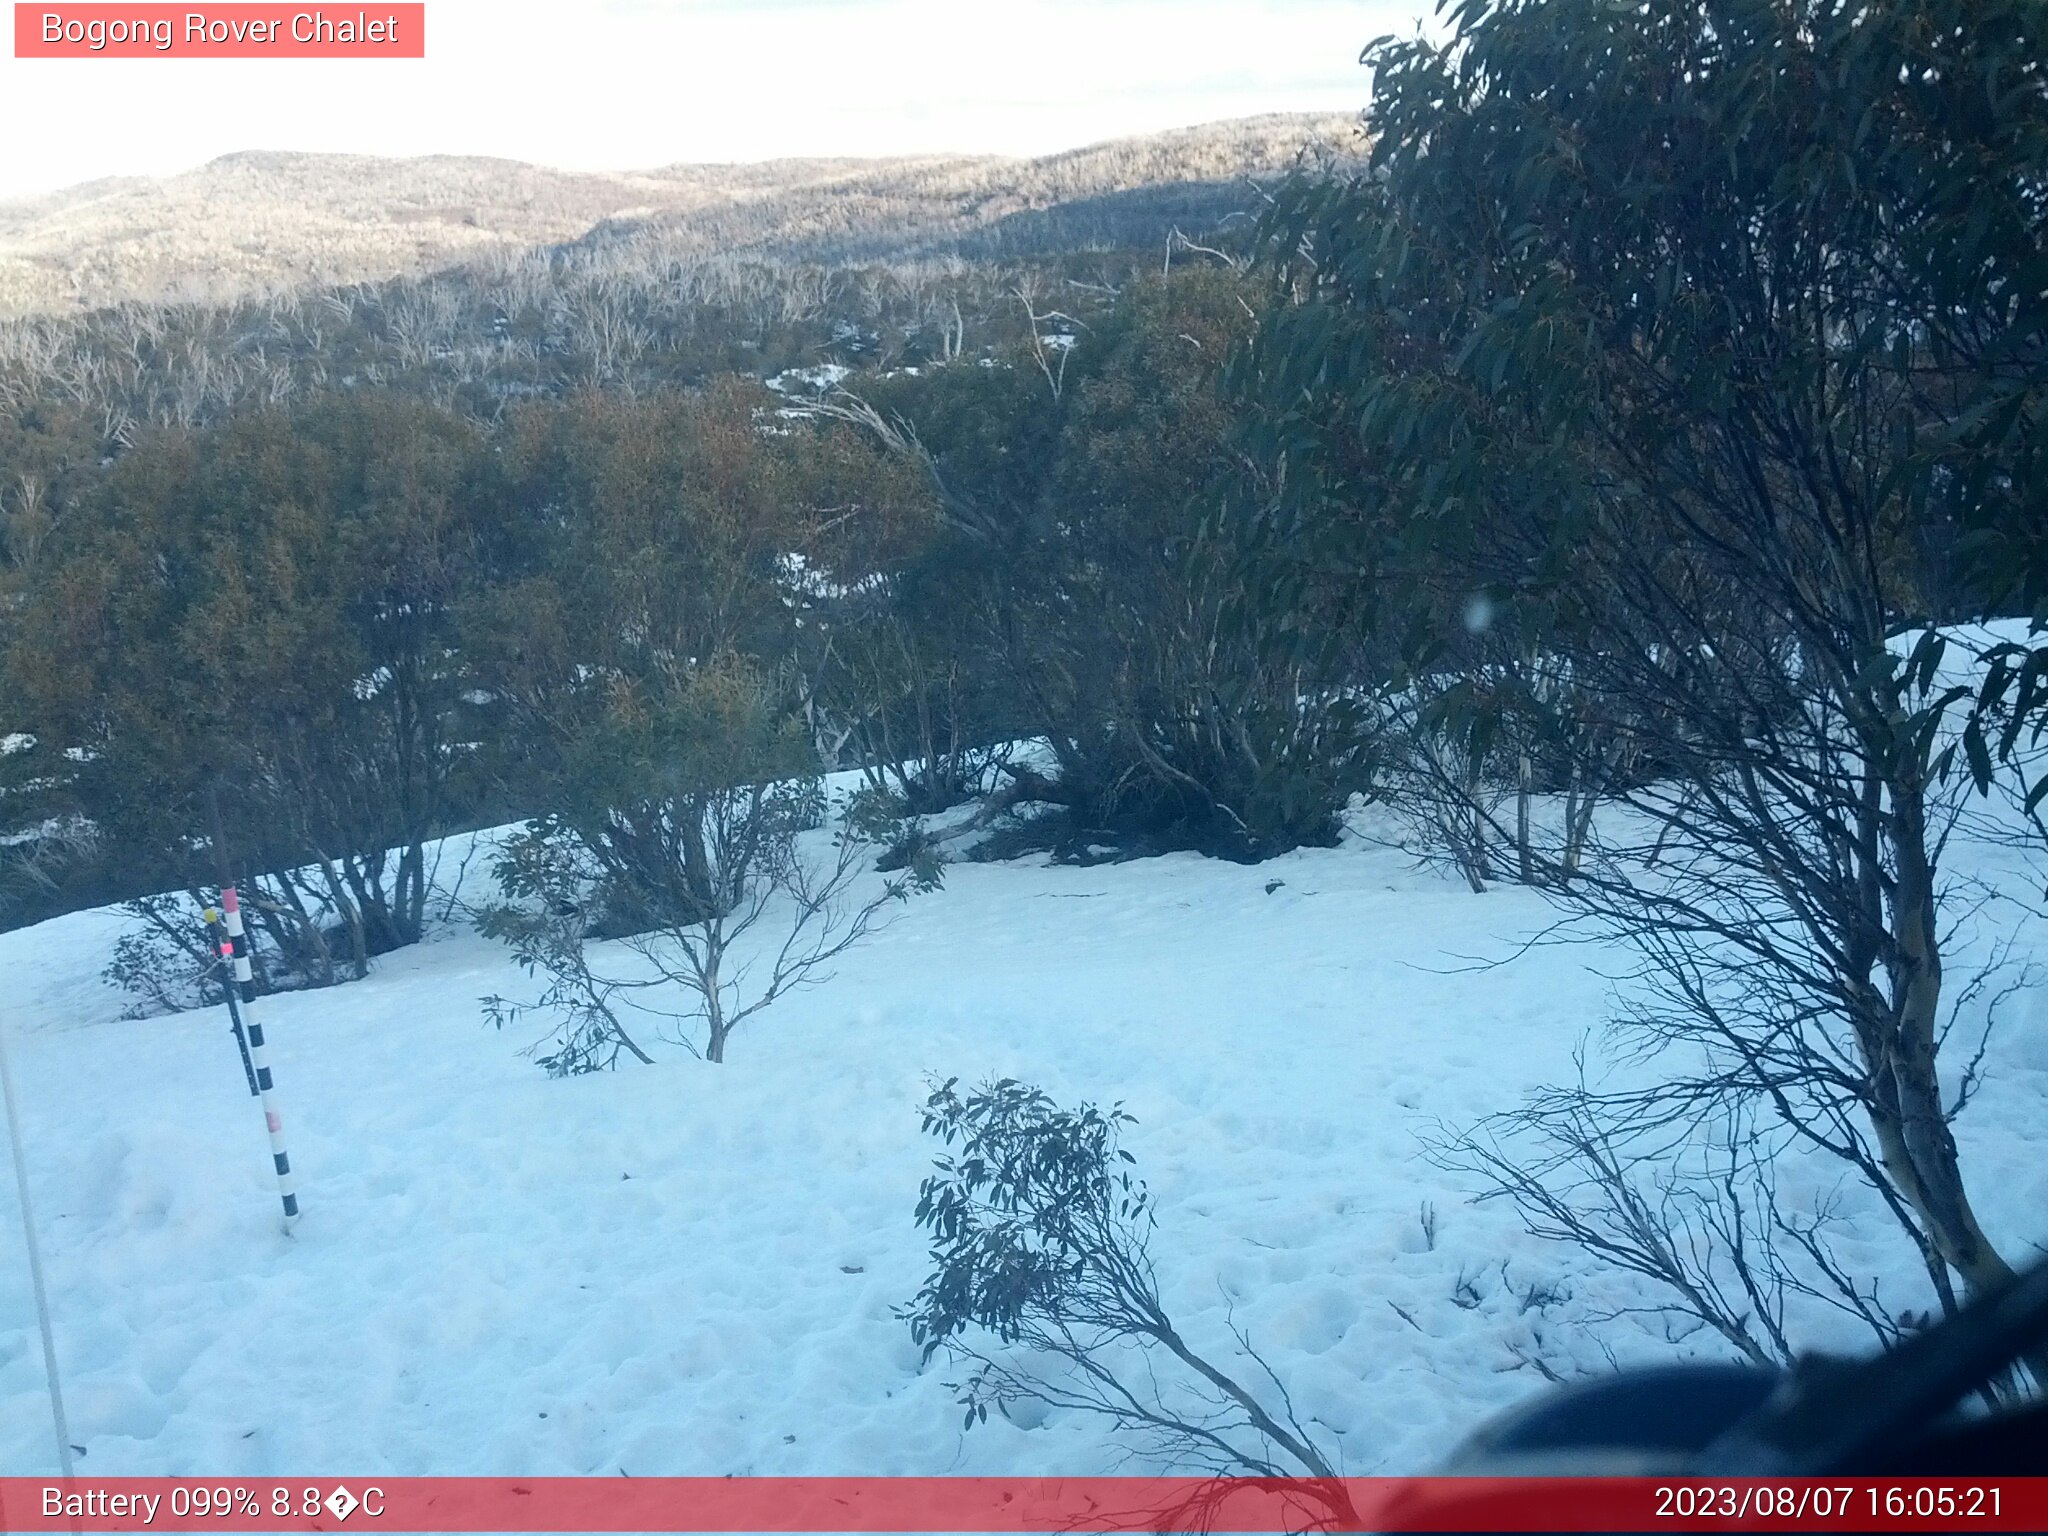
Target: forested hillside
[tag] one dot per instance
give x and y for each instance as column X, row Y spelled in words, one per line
column 259, row 223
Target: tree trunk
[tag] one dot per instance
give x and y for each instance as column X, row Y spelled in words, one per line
column 1524, row 773
column 714, row 1008
column 351, row 915
column 412, row 893
column 1912, row 1127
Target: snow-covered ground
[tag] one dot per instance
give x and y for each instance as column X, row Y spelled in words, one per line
column 692, row 1268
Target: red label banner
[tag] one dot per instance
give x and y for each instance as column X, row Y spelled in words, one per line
column 223, row 31
column 1022, row 1504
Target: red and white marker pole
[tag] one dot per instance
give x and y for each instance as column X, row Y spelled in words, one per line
column 245, row 983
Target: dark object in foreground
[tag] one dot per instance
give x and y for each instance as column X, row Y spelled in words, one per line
column 1903, row 1414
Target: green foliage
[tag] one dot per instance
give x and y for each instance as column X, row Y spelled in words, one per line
column 1039, row 1228
column 363, row 620
column 264, row 613
column 652, row 773
column 638, row 657
column 2010, row 711
column 1087, row 481
column 1676, row 353
column 1036, row 1202
column 1559, row 305
column 1750, row 289
column 552, row 889
column 879, row 815
column 887, row 599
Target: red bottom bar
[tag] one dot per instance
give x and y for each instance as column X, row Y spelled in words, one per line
column 1022, row 1504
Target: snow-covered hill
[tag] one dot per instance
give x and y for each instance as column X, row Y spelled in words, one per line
column 692, row 1268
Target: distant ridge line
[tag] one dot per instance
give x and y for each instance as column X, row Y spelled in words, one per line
column 256, row 221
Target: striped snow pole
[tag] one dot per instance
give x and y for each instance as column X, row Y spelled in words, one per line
column 224, row 955
column 245, row 983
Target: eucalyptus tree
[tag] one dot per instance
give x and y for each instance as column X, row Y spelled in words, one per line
column 250, row 631
column 1671, row 346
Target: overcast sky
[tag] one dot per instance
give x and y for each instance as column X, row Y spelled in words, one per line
column 620, row 84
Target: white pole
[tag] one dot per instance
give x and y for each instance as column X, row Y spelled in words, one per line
column 245, row 979
column 35, row 1262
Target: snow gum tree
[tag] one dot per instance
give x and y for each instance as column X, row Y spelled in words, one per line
column 265, row 613
column 642, row 667
column 1646, row 338
column 683, row 830
column 1086, row 477
column 1043, row 1290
